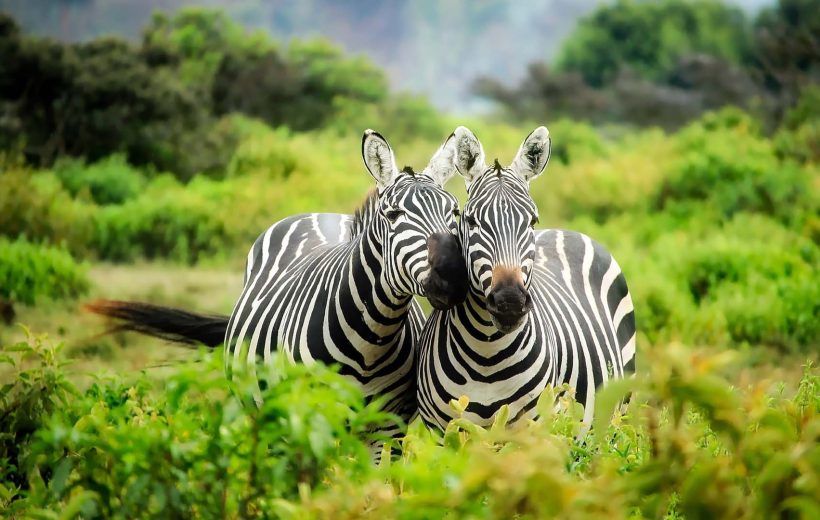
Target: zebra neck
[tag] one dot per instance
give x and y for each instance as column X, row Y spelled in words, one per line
column 381, row 311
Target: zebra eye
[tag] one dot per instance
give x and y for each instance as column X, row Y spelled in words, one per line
column 393, row 214
column 534, row 221
column 471, row 221
column 456, row 213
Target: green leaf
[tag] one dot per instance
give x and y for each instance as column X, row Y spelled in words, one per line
column 60, row 477
column 501, row 418
column 608, row 398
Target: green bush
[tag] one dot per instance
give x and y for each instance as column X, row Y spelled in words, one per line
column 732, row 170
column 108, row 181
column 119, row 449
column 267, row 152
column 39, row 389
column 649, row 37
column 165, row 221
column 38, row 207
column 401, row 117
column 30, row 273
column 690, row 444
column 572, row 141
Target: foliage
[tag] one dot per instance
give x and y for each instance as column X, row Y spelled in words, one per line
column 38, row 207
column 161, row 104
column 664, row 63
column 108, row 181
column 29, row 273
column 125, row 449
column 40, row 389
column 649, row 37
column 120, row 449
column 88, row 99
column 787, row 49
column 799, row 136
column 731, row 168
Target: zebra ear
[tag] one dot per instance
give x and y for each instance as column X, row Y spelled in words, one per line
column 442, row 166
column 469, row 154
column 533, row 155
column 378, row 158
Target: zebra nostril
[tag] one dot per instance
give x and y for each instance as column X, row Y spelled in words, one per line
column 491, row 299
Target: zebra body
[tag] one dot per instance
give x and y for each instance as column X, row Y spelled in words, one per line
column 575, row 334
column 309, row 292
column 544, row 307
column 339, row 289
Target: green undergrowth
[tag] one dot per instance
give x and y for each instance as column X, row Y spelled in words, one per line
column 30, row 273
column 688, row 445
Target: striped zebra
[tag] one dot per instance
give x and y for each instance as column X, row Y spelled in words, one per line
column 339, row 289
column 544, row 307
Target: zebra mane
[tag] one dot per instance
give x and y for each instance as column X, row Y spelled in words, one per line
column 364, row 213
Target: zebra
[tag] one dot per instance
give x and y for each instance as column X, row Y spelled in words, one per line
column 544, row 307
column 338, row 289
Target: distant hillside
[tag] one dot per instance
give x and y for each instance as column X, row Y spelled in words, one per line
column 434, row 47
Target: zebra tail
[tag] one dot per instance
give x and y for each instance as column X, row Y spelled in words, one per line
column 168, row 323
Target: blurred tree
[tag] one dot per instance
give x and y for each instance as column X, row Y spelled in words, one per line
column 195, row 40
column 545, row 92
column 650, row 37
column 664, row 63
column 787, row 50
column 300, row 90
column 88, row 99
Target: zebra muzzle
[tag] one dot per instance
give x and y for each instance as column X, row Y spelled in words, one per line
column 508, row 301
column 447, row 284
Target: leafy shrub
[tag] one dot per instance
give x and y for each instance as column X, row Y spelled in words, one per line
column 36, row 206
column 402, row 117
column 763, row 291
column 799, row 135
column 29, row 272
column 690, row 444
column 269, row 153
column 166, row 221
column 571, row 141
column 108, row 181
column 732, row 170
column 37, row 392
column 120, row 449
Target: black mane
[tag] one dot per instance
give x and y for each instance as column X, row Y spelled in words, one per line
column 497, row 166
column 364, row 213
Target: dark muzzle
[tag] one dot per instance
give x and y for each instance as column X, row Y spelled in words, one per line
column 447, row 284
column 508, row 302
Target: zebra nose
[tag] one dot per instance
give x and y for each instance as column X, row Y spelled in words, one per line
column 508, row 300
column 447, row 284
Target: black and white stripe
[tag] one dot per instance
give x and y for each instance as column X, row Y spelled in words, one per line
column 339, row 289
column 544, row 307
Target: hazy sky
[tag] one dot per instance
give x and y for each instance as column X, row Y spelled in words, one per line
column 433, row 47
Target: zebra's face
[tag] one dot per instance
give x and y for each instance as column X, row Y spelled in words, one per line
column 497, row 233
column 497, row 228
column 417, row 225
column 422, row 254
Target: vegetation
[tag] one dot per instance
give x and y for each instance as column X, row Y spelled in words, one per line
column 689, row 445
column 160, row 103
column 180, row 150
column 664, row 63
column 29, row 273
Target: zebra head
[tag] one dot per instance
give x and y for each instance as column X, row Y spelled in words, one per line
column 415, row 220
column 496, row 230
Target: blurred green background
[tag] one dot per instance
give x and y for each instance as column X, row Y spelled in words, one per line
column 685, row 139
column 144, row 145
